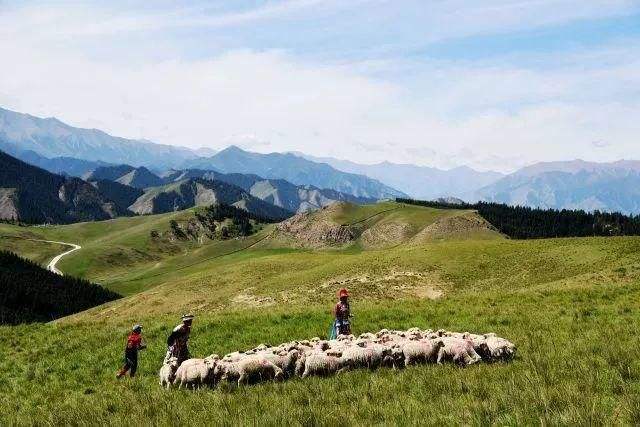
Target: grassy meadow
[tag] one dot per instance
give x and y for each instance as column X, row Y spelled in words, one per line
column 570, row 305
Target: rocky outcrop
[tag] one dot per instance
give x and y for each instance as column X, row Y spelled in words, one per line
column 308, row 230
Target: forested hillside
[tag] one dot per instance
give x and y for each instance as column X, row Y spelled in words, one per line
column 521, row 222
column 29, row 293
column 31, row 194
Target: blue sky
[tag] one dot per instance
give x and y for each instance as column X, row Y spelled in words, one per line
column 495, row 84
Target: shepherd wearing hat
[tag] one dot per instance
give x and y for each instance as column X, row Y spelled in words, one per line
column 178, row 340
column 134, row 344
column 342, row 312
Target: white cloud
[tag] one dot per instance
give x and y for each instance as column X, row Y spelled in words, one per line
column 497, row 114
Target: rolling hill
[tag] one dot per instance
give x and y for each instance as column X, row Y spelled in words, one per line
column 294, row 169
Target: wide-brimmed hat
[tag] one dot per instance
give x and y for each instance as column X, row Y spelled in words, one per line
column 136, row 328
column 187, row 317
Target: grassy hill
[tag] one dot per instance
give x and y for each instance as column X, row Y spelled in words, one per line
column 569, row 305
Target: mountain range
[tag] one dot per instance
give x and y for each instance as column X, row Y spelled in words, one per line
column 589, row 186
column 52, row 138
column 420, row 182
column 190, row 183
column 297, row 170
column 123, row 170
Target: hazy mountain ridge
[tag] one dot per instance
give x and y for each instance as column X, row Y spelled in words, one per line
column 571, row 185
column 52, row 138
column 294, row 169
column 421, row 182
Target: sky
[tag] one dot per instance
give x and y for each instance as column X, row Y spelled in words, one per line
column 492, row 84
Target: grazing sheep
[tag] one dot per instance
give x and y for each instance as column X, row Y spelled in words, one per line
column 421, row 351
column 248, row 370
column 459, row 351
column 236, row 356
column 382, row 332
column 285, row 360
column 168, row 372
column 322, row 345
column 367, row 336
column 194, row 373
column 396, row 359
column 317, row 364
column 372, row 357
column 343, row 337
column 498, row 349
column 317, row 357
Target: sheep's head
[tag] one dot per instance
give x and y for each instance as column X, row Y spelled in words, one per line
column 300, row 363
column 173, row 363
column 322, row 345
column 397, row 358
column 483, row 351
column 382, row 333
column 212, row 361
column 438, row 343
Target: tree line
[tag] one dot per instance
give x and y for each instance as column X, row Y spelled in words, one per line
column 30, row 293
column 522, row 222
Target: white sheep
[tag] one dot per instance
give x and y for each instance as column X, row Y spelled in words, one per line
column 458, row 350
column 285, row 360
column 194, row 373
column 371, row 357
column 498, row 348
column 318, row 364
column 168, row 372
column 248, row 370
column 420, row 351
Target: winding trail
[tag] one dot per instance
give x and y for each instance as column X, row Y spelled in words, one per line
column 52, row 264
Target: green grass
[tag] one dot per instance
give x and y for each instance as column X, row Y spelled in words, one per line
column 570, row 305
column 576, row 364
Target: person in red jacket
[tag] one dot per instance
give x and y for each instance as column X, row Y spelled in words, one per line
column 134, row 344
column 342, row 314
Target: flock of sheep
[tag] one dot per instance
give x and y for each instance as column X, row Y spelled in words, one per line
column 316, row 357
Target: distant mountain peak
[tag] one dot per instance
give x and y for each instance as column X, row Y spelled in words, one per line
column 295, row 169
column 52, row 138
